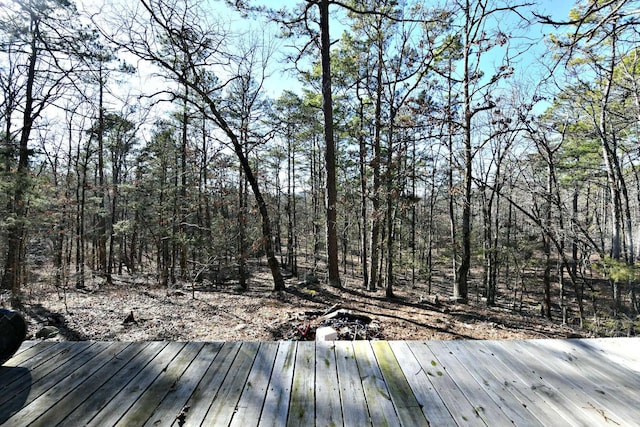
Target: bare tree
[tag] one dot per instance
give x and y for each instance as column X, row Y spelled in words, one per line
column 177, row 37
column 476, row 40
column 592, row 52
column 37, row 35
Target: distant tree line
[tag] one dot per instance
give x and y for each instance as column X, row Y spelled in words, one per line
column 431, row 143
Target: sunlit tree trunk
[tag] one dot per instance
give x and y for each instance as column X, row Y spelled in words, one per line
column 376, row 213
column 330, row 150
column 362, row 157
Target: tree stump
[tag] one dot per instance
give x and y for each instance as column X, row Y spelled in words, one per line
column 13, row 331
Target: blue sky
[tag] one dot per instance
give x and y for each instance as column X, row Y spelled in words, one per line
column 557, row 9
column 281, row 80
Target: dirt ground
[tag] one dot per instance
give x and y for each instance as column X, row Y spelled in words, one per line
column 134, row 310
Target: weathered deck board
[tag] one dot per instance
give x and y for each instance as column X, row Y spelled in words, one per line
column 60, row 408
column 474, row 389
column 103, row 392
column 353, row 403
column 174, row 402
column 61, row 384
column 376, row 392
column 276, row 404
column 599, row 398
column 202, row 397
column 404, row 400
column 606, row 375
column 328, row 403
column 225, row 402
column 165, row 382
column 552, row 386
column 302, row 404
column 462, row 411
column 248, row 414
column 524, row 383
column 516, row 394
column 118, row 407
column 427, row 396
column 495, row 388
column 54, row 370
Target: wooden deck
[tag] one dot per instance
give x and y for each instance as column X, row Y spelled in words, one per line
column 589, row 382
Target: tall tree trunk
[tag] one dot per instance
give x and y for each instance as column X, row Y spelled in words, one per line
column 390, row 213
column 315, row 202
column 184, row 140
column 292, row 257
column 330, row 149
column 546, row 240
column 242, row 229
column 81, row 196
column 242, row 209
column 12, row 278
column 278, row 219
column 611, row 161
column 205, row 184
column 101, row 229
column 430, row 236
column 377, row 158
column 460, row 291
column 413, row 213
column 267, row 235
column 460, row 288
column 363, row 196
column 453, row 235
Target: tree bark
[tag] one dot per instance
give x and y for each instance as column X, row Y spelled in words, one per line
column 12, row 278
column 377, row 157
column 363, row 197
column 330, row 150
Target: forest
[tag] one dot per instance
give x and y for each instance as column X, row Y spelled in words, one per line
column 479, row 152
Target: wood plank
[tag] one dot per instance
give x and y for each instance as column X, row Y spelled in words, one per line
column 173, row 406
column 496, row 386
column 26, row 345
column 354, row 403
column 607, row 407
column 16, row 379
column 127, row 396
column 620, row 351
column 45, row 375
column 609, row 376
column 432, row 406
column 328, row 400
column 407, row 407
column 28, row 352
column 146, row 404
column 78, row 395
column 30, row 359
column 202, row 397
column 302, row 405
column 490, row 411
column 542, row 382
column 456, row 401
column 533, row 408
column 104, row 391
column 254, row 394
column 225, row 401
column 536, row 376
column 381, row 408
column 276, row 405
column 525, row 379
column 41, row 407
